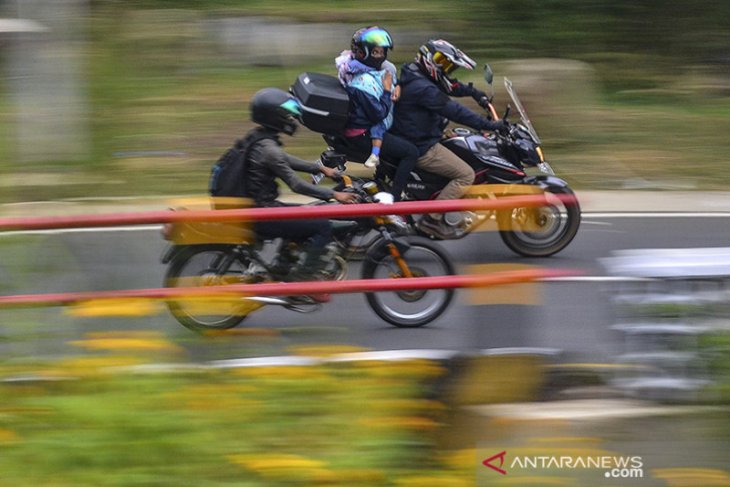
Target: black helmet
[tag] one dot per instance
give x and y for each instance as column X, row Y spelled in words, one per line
column 275, row 109
column 438, row 58
column 365, row 40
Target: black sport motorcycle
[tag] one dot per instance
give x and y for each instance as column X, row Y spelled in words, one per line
column 214, row 254
column 500, row 161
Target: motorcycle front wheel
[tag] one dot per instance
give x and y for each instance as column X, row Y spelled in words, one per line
column 410, row 309
column 541, row 231
column 199, row 266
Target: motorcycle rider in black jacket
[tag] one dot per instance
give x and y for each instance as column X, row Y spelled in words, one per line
column 425, row 103
column 276, row 111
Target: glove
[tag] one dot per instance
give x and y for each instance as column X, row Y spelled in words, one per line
column 479, row 96
column 498, row 126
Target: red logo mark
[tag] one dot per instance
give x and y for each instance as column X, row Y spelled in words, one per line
column 487, row 462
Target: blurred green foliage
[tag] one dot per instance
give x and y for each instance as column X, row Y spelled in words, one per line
column 648, row 104
column 86, row 423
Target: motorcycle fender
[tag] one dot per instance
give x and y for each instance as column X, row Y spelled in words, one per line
column 545, row 181
column 380, row 250
column 171, row 252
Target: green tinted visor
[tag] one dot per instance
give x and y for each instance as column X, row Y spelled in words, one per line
column 377, row 37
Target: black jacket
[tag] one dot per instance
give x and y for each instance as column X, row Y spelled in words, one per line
column 422, row 106
column 267, row 162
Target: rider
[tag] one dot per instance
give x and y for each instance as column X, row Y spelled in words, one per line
column 275, row 112
column 425, row 103
column 370, row 81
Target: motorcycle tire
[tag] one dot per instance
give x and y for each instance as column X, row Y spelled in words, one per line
column 195, row 266
column 553, row 226
column 410, row 309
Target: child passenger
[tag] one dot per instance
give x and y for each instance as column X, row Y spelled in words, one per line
column 371, row 83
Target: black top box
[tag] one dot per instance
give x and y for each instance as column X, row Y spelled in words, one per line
column 325, row 104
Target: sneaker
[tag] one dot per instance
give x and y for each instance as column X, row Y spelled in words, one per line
column 436, row 228
column 321, row 298
column 372, row 161
column 310, row 299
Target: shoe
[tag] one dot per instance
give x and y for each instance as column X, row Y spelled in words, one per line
column 310, row 299
column 321, row 298
column 436, row 228
column 372, row 161
column 312, row 267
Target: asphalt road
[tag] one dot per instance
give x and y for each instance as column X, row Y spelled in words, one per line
column 574, row 317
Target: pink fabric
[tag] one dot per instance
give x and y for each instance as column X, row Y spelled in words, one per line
column 354, row 132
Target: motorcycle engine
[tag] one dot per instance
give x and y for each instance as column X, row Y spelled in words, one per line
column 459, row 219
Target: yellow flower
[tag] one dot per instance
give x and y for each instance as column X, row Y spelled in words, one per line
column 8, row 436
column 415, row 369
column 283, row 467
column 133, row 341
column 405, row 422
column 290, row 372
column 420, row 405
column 115, row 307
column 324, row 350
column 428, row 481
column 461, row 459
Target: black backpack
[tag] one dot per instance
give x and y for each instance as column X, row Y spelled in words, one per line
column 228, row 175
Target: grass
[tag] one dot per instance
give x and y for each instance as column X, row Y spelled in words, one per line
column 257, row 427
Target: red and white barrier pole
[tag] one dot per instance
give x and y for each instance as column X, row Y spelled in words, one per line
column 278, row 213
column 290, row 288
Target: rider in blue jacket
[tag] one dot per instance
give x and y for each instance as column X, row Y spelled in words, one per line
column 425, row 104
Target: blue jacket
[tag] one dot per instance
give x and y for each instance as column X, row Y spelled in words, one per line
column 422, row 106
column 370, row 105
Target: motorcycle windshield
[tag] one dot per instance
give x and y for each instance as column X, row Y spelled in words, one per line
column 523, row 114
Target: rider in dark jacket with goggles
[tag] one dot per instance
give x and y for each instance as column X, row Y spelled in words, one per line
column 427, row 106
column 425, row 101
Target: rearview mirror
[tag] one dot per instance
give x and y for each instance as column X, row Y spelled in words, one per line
column 488, row 74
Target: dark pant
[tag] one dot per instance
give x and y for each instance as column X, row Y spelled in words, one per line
column 396, row 151
column 317, row 231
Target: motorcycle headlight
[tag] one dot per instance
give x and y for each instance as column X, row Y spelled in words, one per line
column 528, row 152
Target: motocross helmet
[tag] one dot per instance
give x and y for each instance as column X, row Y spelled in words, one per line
column 437, row 59
column 365, row 40
column 275, row 109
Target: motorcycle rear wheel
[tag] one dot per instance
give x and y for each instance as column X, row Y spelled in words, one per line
column 410, row 309
column 198, row 266
column 541, row 231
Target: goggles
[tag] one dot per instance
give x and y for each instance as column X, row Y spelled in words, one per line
column 447, row 65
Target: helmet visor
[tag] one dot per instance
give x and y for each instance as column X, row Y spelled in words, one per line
column 447, row 65
column 292, row 108
column 376, row 37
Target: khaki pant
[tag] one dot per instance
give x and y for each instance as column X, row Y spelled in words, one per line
column 440, row 160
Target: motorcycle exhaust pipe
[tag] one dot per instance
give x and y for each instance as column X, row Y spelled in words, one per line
column 268, row 300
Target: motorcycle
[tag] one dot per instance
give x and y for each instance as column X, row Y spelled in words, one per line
column 500, row 161
column 214, row 254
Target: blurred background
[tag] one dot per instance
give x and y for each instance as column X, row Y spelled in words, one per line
column 110, row 98
column 138, row 98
